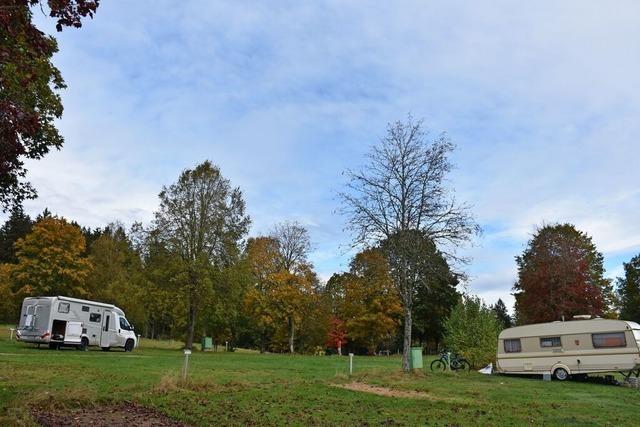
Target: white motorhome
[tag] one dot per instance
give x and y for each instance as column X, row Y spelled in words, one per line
column 63, row 321
column 575, row 347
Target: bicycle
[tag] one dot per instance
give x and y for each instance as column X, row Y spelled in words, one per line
column 456, row 362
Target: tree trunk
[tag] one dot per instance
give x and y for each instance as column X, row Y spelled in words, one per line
column 291, row 336
column 193, row 313
column 406, row 349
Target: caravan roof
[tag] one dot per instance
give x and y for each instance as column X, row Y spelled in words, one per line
column 568, row 327
column 81, row 301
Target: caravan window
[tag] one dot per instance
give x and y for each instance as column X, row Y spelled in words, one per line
column 95, row 317
column 512, row 346
column 550, row 342
column 607, row 340
column 63, row 307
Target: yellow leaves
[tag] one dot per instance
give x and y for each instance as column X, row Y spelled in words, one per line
column 50, row 260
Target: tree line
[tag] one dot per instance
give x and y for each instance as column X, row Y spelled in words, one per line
column 194, row 271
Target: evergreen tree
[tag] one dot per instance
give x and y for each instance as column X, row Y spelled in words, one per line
column 17, row 226
column 502, row 314
column 629, row 290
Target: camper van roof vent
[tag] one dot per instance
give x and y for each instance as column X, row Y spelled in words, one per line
column 582, row 317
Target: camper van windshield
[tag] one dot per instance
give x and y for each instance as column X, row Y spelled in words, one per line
column 124, row 324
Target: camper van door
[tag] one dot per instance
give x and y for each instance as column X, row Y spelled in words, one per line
column 107, row 335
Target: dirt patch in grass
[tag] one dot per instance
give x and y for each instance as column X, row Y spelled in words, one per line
column 388, row 392
column 128, row 414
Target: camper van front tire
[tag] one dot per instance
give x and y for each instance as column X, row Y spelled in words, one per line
column 560, row 374
column 84, row 344
column 128, row 346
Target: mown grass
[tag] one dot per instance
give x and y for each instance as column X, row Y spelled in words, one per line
column 252, row 389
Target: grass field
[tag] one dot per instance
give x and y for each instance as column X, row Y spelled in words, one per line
column 244, row 388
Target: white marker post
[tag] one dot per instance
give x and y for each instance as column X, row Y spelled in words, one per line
column 138, row 342
column 11, row 338
column 448, row 361
column 350, row 364
column 185, row 367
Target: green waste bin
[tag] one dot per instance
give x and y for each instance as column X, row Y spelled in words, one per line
column 415, row 359
column 207, row 343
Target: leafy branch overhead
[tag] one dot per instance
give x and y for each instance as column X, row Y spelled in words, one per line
column 29, row 89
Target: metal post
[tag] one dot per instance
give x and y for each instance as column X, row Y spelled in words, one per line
column 11, row 338
column 350, row 364
column 185, row 366
column 448, row 360
column 226, row 346
column 138, row 342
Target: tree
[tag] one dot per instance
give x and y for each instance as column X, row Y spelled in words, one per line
column 9, row 304
column 29, row 82
column 117, row 275
column 501, row 313
column 402, row 189
column 472, row 331
column 17, row 226
column 629, row 290
column 293, row 245
column 202, row 220
column 50, row 261
column 369, row 302
column 337, row 335
column 560, row 274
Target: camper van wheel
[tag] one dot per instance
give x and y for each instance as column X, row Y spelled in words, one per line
column 84, row 344
column 128, row 346
column 561, row 374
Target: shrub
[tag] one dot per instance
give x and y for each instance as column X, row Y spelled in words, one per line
column 472, row 331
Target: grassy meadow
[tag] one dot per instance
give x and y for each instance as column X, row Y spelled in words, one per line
column 246, row 388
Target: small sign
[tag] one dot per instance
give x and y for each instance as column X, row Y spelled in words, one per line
column 187, row 352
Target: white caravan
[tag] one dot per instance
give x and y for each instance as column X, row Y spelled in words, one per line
column 576, row 347
column 63, row 321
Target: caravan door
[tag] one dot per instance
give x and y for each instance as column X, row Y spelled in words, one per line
column 108, row 331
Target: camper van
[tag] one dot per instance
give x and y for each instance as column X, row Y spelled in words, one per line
column 576, row 347
column 63, row 321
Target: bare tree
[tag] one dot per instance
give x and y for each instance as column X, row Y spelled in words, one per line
column 402, row 190
column 201, row 219
column 293, row 244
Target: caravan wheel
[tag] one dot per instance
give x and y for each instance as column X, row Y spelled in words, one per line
column 84, row 344
column 561, row 374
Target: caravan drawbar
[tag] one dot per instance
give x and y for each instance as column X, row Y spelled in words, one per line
column 63, row 321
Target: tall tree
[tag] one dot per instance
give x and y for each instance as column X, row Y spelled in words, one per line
column 17, row 226
column 501, row 313
column 294, row 245
column 50, row 260
column 403, row 189
column 29, row 86
column 201, row 219
column 560, row 274
column 629, row 290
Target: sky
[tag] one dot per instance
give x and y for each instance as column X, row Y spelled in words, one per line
column 541, row 99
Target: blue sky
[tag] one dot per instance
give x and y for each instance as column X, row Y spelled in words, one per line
column 541, row 99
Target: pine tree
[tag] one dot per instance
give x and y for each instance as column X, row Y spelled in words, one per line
column 502, row 315
column 17, row 226
column 629, row 290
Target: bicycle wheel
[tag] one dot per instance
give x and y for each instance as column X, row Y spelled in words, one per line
column 438, row 365
column 463, row 365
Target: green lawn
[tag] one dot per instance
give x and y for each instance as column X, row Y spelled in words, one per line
column 245, row 388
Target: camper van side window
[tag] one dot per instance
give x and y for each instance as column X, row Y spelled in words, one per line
column 550, row 342
column 63, row 307
column 94, row 317
column 611, row 339
column 512, row 346
column 85, row 308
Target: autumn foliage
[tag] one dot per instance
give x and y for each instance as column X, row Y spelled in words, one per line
column 560, row 274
